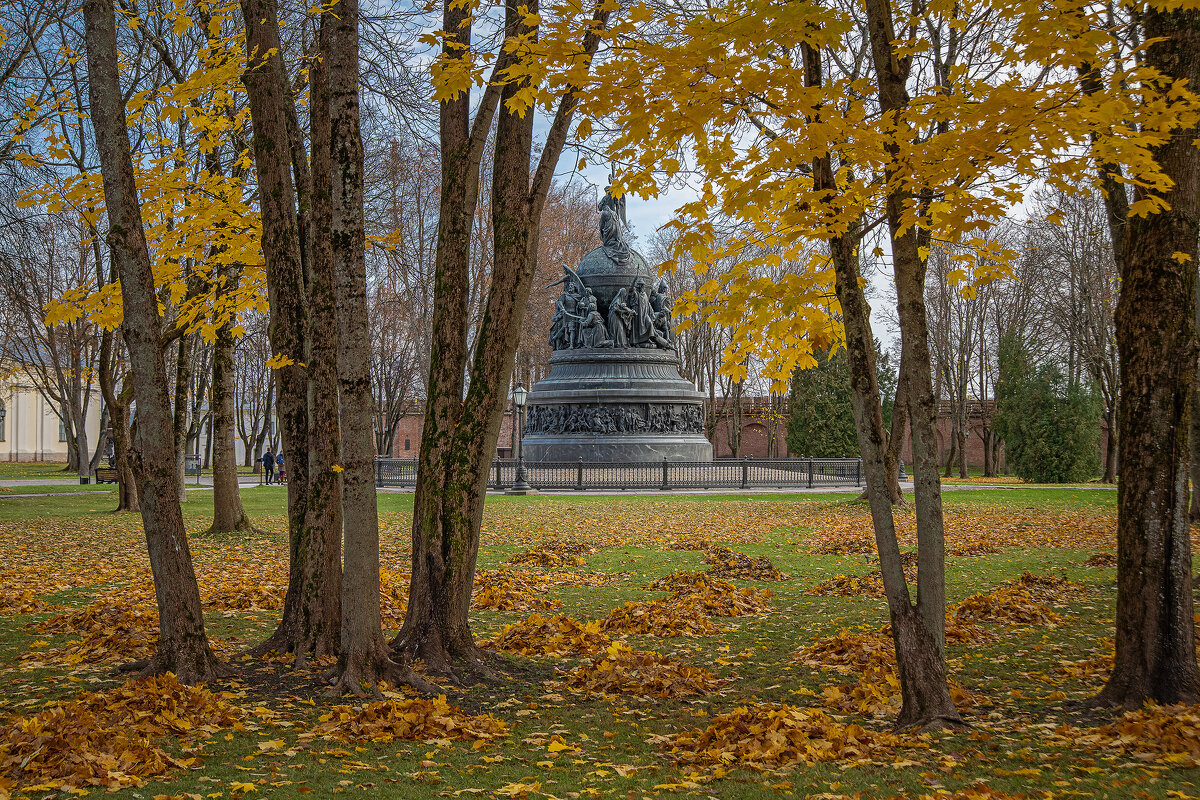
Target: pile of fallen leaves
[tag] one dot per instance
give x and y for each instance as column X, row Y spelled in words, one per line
column 770, row 736
column 1049, row 589
column 1166, row 733
column 876, row 692
column 1101, row 560
column 21, row 601
column 393, row 598
column 110, row 632
column 685, row 581
column 726, row 563
column 556, row 553
column 849, row 586
column 622, row 670
column 1008, row 605
column 727, row 600
column 230, row 596
column 551, row 636
column 508, row 590
column 416, row 719
column 848, row 652
column 672, row 616
column 108, row 738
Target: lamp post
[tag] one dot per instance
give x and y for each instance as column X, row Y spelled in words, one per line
column 521, row 484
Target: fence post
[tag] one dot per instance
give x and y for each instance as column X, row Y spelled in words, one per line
column 858, row 472
column 745, row 473
column 579, row 476
column 665, row 486
column 810, row 470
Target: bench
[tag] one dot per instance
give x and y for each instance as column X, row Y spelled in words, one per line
column 106, row 475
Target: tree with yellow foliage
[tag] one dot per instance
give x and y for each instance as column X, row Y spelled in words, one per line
column 958, row 107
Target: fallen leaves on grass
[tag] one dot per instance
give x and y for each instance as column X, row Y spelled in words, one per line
column 849, row 586
column 622, row 670
column 508, row 590
column 717, row 598
column 848, row 652
column 726, row 563
column 416, row 719
column 1008, row 605
column 1051, row 589
column 876, row 692
column 551, row 636
column 554, row 553
column 1097, row 666
column 1101, row 560
column 108, row 738
column 21, row 601
column 729, row 601
column 770, row 736
column 110, row 632
column 685, row 581
column 672, row 616
column 1164, row 733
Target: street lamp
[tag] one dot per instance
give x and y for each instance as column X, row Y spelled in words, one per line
column 521, row 484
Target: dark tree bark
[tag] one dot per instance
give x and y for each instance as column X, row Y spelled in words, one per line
column 460, row 433
column 1156, row 340
column 364, row 659
column 920, row 663
column 118, row 412
column 182, row 645
column 228, row 514
column 306, row 603
column 183, row 379
column 1193, row 436
column 891, row 72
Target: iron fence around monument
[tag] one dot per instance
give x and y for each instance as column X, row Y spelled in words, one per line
column 724, row 473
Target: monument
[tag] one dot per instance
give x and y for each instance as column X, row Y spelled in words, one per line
column 614, row 392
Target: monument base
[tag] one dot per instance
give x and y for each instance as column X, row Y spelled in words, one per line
column 608, row 405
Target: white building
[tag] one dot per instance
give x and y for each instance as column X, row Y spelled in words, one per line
column 30, row 430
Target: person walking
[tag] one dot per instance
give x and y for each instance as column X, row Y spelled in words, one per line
column 268, row 462
column 281, row 476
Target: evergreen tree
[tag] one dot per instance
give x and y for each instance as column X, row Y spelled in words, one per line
column 1050, row 427
column 821, row 422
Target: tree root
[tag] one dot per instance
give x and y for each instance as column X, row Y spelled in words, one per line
column 244, row 526
column 189, row 668
column 361, row 677
column 931, row 724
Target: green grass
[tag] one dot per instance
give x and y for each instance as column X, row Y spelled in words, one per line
column 34, row 469
column 1013, row 676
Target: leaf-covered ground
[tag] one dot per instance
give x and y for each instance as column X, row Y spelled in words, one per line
column 706, row 646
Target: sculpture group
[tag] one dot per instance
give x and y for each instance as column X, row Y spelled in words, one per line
column 636, row 317
column 613, row 418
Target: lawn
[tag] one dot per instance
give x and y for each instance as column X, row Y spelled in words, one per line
column 792, row 698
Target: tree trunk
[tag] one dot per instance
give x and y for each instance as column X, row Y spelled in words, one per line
column 920, row 663
column 183, row 377
column 182, row 645
column 962, row 449
column 1112, row 455
column 1193, row 431
column 318, row 614
column 364, row 659
column 895, row 440
column 952, row 453
column 118, row 410
column 308, row 623
column 228, row 514
column 909, row 270
column 1156, row 341
column 460, row 433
